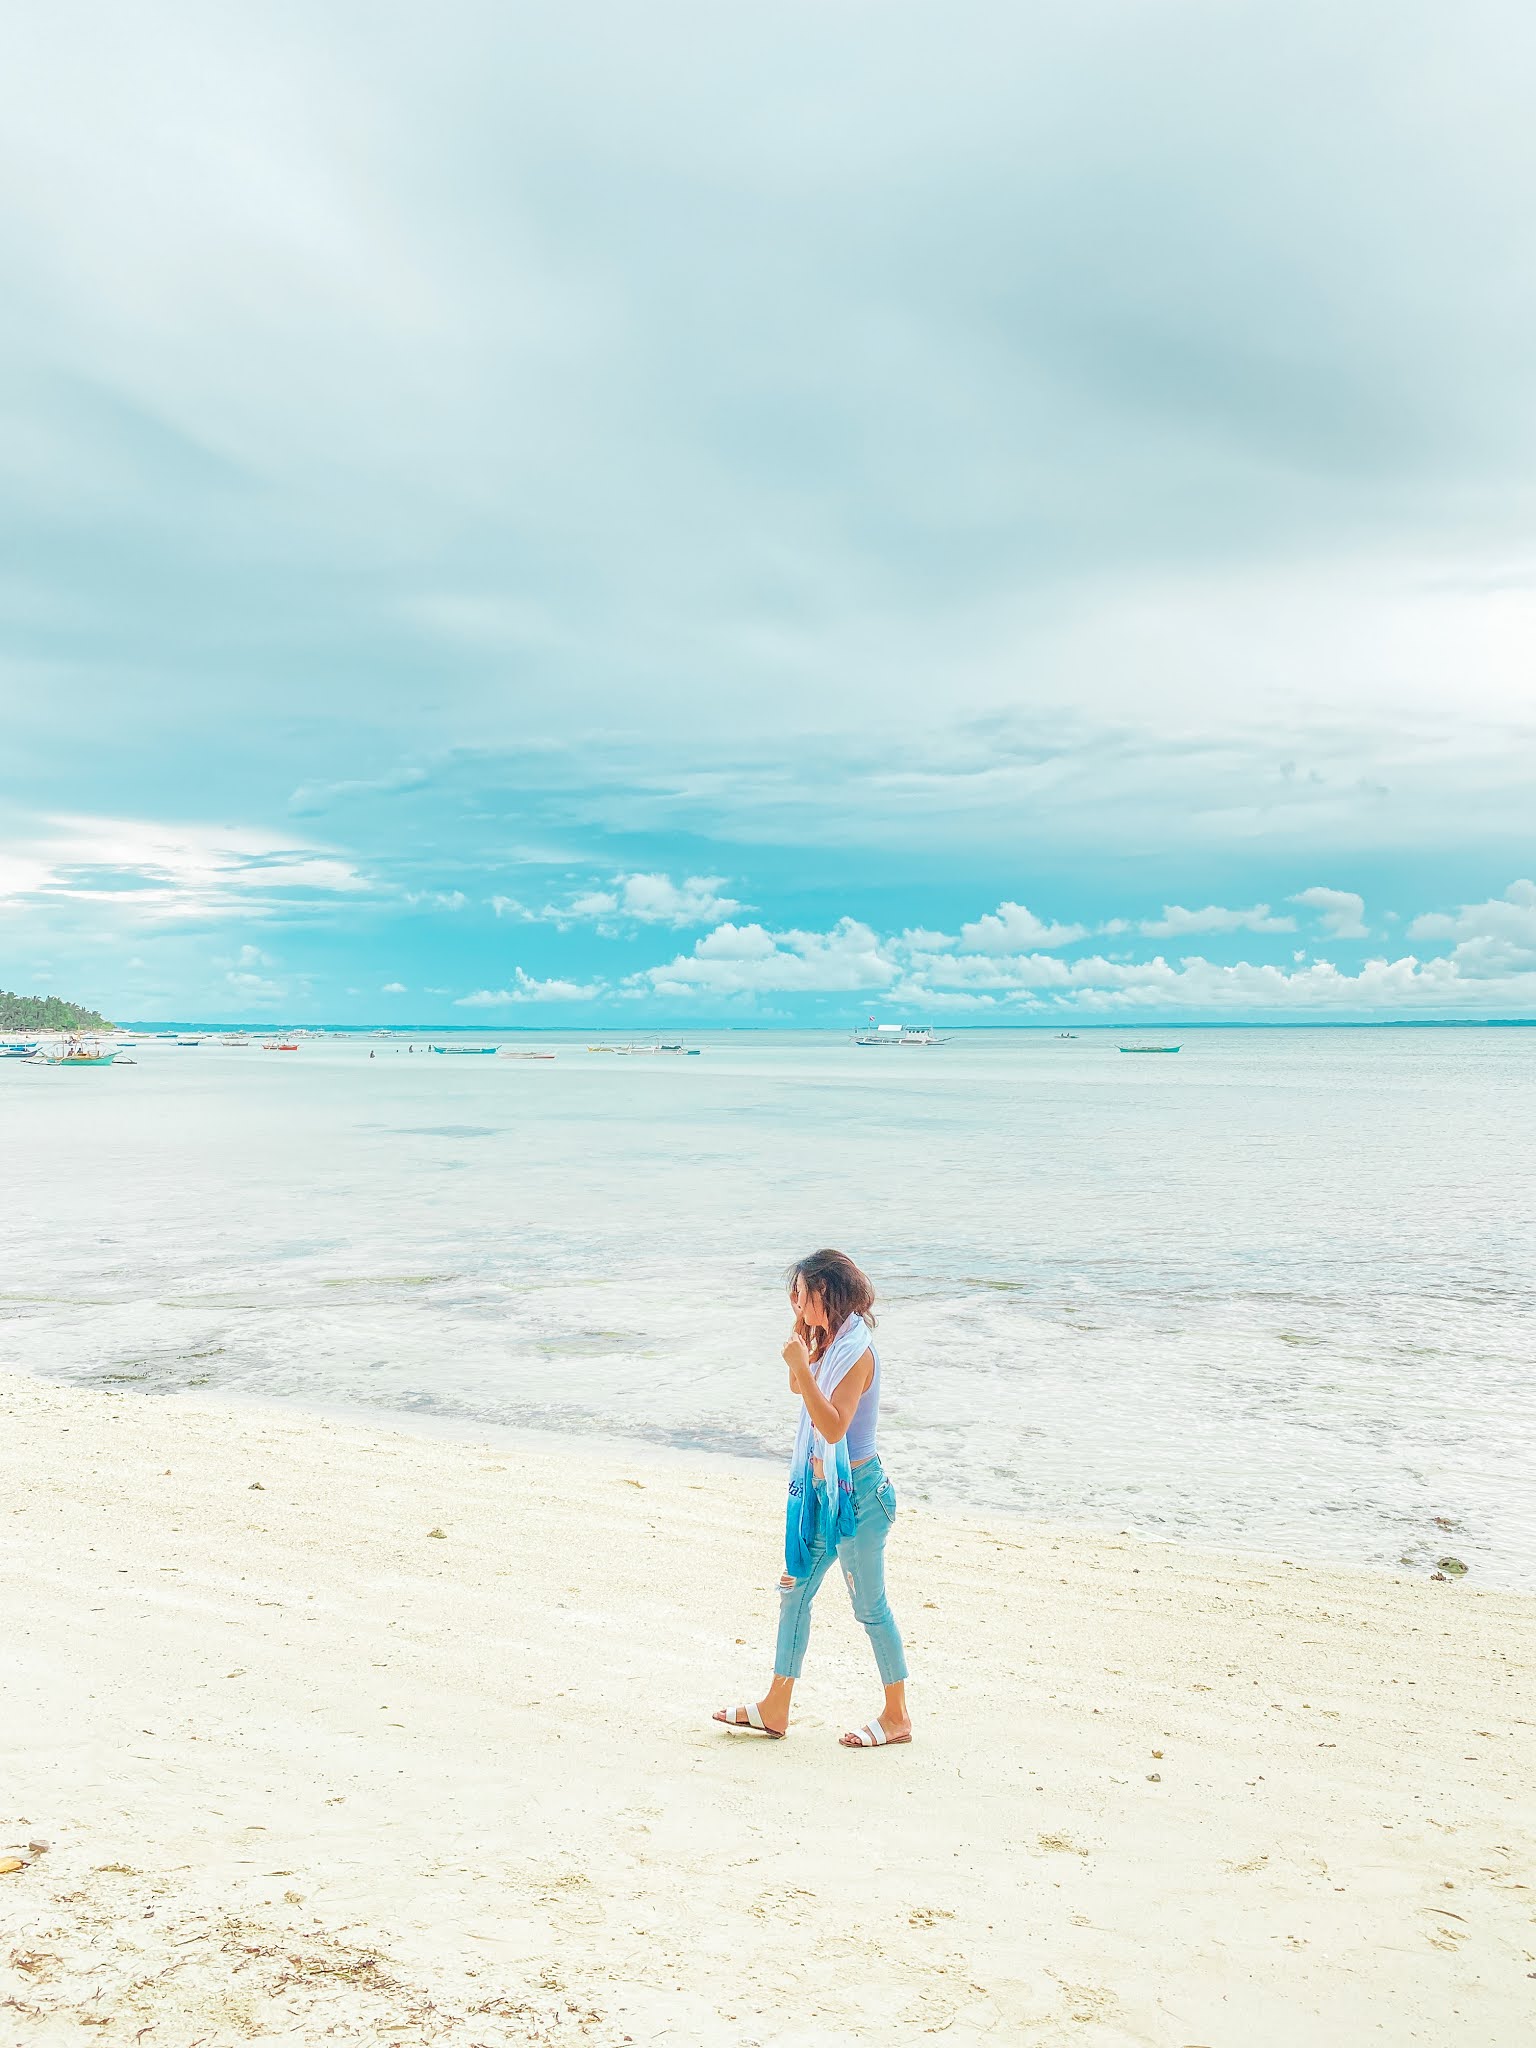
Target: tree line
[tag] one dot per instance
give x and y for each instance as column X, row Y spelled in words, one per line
column 46, row 1013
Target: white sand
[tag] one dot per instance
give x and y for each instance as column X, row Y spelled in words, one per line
column 308, row 1773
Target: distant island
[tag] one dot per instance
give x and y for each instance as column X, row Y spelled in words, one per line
column 46, row 1013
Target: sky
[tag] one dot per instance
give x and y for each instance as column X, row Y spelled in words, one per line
column 1003, row 513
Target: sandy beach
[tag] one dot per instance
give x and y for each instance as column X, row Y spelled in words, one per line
column 344, row 1732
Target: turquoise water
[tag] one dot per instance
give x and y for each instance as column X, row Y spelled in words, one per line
column 1273, row 1292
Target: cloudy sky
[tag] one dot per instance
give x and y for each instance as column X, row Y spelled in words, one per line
column 528, row 514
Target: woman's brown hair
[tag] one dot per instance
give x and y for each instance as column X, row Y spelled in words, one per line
column 845, row 1291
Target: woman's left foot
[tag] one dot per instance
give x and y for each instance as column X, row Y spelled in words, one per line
column 878, row 1735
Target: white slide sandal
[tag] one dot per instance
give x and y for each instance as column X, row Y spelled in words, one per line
column 873, row 1736
column 731, row 1717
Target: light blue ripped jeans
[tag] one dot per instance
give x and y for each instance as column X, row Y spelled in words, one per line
column 862, row 1557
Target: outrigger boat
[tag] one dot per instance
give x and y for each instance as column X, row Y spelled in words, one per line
column 1149, row 1048
column 77, row 1053
column 18, row 1051
column 899, row 1034
column 281, row 1045
column 517, row 1052
column 465, row 1051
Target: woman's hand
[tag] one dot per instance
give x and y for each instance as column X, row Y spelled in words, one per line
column 797, row 1357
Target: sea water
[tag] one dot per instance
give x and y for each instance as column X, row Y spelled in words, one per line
column 1271, row 1292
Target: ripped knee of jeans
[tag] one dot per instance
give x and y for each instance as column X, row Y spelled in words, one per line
column 786, row 1584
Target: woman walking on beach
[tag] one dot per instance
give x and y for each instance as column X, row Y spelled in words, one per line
column 841, row 1504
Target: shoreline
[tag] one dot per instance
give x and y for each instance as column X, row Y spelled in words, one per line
column 515, row 1438
column 307, row 1771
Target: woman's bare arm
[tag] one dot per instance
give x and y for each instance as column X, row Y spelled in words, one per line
column 831, row 1416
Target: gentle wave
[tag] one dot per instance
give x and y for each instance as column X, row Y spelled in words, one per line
column 1272, row 1294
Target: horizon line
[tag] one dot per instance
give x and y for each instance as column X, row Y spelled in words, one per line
column 1050, row 1024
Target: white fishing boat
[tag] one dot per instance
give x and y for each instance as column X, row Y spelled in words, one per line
column 518, row 1052
column 899, row 1034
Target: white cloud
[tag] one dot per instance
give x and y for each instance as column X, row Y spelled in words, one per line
column 645, row 899
column 1492, row 971
column 394, row 988
column 995, row 971
column 319, row 796
column 254, row 987
column 292, row 871
column 595, row 903
column 736, row 942
column 907, row 997
column 164, row 873
column 227, row 328
column 1494, row 937
column 654, row 899
column 242, row 975
column 1195, row 986
column 1176, row 921
column 748, row 960
column 436, row 899
column 1201, row 987
column 528, row 990
column 21, row 877
column 1011, row 928
column 1340, row 911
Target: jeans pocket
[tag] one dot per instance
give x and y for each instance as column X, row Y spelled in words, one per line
column 885, row 1493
